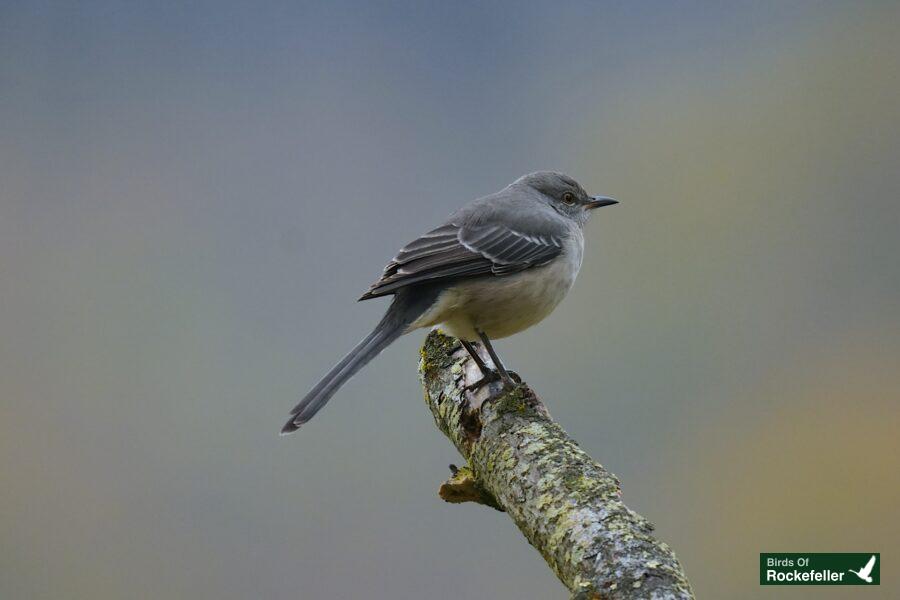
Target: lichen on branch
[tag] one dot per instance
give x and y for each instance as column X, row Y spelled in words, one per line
column 566, row 504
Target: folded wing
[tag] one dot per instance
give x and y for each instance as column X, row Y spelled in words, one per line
column 452, row 251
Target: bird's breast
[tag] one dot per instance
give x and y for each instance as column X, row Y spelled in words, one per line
column 503, row 306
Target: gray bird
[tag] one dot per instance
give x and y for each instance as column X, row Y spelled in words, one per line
column 497, row 266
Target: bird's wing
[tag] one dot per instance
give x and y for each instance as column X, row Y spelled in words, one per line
column 453, row 251
column 866, row 570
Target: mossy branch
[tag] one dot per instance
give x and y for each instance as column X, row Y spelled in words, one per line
column 520, row 461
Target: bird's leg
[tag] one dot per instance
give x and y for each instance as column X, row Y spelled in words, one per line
column 485, row 370
column 504, row 374
column 488, row 374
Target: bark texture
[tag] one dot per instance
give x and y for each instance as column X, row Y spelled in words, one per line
column 520, row 461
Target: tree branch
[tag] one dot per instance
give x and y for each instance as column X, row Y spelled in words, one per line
column 520, row 461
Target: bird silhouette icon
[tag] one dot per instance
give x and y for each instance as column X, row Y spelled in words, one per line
column 865, row 572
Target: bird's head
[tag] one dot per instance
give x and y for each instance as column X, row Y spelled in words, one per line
column 563, row 194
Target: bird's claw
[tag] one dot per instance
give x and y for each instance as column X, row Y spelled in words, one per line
column 487, row 378
column 492, row 376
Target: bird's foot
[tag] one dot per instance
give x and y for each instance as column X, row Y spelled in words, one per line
column 493, row 375
column 487, row 377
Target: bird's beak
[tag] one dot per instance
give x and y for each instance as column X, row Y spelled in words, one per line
column 598, row 201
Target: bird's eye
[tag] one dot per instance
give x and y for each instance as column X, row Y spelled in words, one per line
column 569, row 198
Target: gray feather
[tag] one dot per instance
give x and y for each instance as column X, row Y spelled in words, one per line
column 477, row 241
column 406, row 308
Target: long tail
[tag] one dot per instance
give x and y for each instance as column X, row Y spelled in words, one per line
column 407, row 306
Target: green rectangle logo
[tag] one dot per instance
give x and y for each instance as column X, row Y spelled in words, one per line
column 811, row 568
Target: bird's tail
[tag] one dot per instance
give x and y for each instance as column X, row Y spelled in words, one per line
column 407, row 306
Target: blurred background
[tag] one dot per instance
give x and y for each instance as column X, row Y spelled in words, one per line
column 193, row 197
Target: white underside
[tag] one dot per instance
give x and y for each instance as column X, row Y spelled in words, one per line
column 503, row 306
